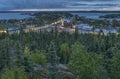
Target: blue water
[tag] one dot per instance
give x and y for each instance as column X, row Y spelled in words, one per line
column 6, row 16
column 94, row 15
column 20, row 16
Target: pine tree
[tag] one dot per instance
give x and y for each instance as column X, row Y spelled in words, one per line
column 64, row 53
column 53, row 62
column 21, row 58
column 76, row 34
column 8, row 51
column 115, row 65
column 86, row 65
column 16, row 73
column 21, row 39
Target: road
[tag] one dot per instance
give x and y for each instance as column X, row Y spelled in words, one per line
column 43, row 27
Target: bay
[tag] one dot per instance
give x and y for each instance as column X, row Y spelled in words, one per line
column 7, row 16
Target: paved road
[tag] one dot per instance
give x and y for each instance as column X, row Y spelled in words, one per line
column 43, row 27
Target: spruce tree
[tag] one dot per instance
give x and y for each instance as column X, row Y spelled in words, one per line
column 53, row 62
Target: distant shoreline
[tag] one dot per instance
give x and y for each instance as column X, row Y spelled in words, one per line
column 62, row 11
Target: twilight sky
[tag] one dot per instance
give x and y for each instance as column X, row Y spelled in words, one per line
column 60, row 4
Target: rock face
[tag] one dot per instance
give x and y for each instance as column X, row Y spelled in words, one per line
column 53, row 69
column 64, row 72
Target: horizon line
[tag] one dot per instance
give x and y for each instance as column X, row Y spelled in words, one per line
column 57, row 10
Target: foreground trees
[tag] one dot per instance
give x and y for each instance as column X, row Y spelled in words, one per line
column 82, row 56
column 64, row 53
column 17, row 73
column 86, row 65
column 115, row 66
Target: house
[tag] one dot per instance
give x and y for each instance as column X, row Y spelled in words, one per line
column 10, row 30
column 30, row 26
column 113, row 31
column 85, row 28
column 3, row 31
column 47, row 29
column 65, row 21
column 109, row 31
column 106, row 30
column 13, row 30
column 97, row 30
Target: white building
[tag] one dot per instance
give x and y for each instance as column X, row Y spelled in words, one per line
column 85, row 28
column 13, row 30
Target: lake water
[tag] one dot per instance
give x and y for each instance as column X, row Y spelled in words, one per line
column 20, row 16
column 93, row 15
column 6, row 16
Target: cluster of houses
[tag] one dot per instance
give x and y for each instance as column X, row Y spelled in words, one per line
column 10, row 30
column 107, row 30
column 64, row 25
column 85, row 28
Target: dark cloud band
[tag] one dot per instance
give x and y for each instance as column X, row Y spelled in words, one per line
column 45, row 4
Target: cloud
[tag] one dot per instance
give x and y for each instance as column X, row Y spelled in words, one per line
column 26, row 4
column 93, row 4
column 59, row 4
